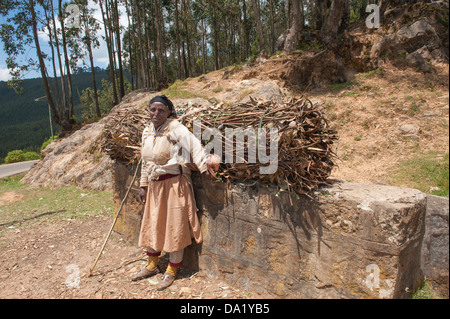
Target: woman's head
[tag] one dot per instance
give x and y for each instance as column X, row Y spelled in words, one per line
column 161, row 108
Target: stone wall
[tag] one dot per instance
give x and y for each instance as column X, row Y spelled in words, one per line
column 351, row 241
column 435, row 244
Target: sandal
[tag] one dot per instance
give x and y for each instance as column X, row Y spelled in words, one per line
column 144, row 273
column 166, row 281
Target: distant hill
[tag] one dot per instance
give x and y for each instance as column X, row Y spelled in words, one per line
column 24, row 123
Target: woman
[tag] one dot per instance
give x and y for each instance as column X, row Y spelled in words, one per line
column 170, row 216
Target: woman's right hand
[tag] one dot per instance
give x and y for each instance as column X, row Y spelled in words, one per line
column 142, row 195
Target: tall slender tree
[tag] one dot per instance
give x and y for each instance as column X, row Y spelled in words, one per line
column 294, row 34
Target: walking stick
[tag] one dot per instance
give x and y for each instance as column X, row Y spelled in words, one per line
column 115, row 219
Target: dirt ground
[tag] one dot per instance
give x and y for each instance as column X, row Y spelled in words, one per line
column 53, row 262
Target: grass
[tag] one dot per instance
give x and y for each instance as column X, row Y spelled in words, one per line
column 42, row 206
column 337, row 87
column 428, row 172
column 178, row 90
column 424, row 292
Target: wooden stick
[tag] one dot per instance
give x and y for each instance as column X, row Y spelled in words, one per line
column 115, row 219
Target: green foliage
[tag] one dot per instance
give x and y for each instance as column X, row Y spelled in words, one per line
column 336, row 87
column 44, row 145
column 178, row 90
column 105, row 99
column 20, row 156
column 24, row 123
column 428, row 172
column 424, row 292
column 43, row 205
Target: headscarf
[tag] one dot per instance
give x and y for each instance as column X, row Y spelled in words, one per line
column 164, row 100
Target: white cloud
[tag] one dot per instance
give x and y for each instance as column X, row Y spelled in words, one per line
column 4, row 74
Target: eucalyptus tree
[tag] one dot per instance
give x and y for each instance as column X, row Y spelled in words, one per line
column 82, row 39
column 25, row 20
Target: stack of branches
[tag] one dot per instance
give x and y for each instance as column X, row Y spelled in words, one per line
column 121, row 136
column 304, row 159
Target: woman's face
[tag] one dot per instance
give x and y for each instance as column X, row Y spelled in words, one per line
column 159, row 113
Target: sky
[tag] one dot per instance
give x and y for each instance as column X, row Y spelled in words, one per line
column 100, row 54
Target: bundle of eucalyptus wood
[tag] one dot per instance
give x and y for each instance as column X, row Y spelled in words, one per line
column 304, row 158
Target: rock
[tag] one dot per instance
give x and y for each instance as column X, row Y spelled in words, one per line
column 409, row 128
column 257, row 89
column 419, row 40
column 379, row 47
column 358, row 241
column 412, row 137
column 185, row 292
column 279, row 45
column 69, row 162
column 416, row 60
column 418, row 28
column 435, row 247
column 74, row 160
column 350, row 241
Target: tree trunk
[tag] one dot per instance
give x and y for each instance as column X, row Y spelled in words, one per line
column 55, row 74
column 330, row 29
column 245, row 30
column 91, row 60
column 319, row 14
column 204, row 52
column 109, row 47
column 131, row 34
column 215, row 35
column 272, row 28
column 143, row 67
column 67, row 62
column 186, row 32
column 259, row 28
column 119, row 49
column 162, row 81
column 177, row 30
column 63, row 102
column 294, row 34
column 56, row 116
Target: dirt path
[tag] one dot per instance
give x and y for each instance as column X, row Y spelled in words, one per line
column 53, row 262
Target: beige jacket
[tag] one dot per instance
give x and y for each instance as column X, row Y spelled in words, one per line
column 166, row 149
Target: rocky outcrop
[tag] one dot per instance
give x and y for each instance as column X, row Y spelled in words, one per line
column 351, row 241
column 415, row 33
column 76, row 159
column 435, row 244
column 69, row 161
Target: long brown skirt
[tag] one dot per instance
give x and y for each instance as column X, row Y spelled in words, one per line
column 170, row 216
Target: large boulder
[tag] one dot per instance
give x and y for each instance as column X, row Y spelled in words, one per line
column 350, row 241
column 69, row 161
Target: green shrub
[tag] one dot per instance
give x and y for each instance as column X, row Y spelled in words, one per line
column 20, row 156
column 44, row 145
column 14, row 157
column 29, row 156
